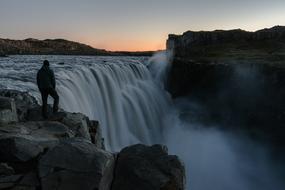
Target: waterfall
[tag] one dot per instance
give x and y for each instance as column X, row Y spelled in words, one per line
column 123, row 97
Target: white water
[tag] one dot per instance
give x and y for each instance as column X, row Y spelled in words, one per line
column 131, row 105
column 123, row 97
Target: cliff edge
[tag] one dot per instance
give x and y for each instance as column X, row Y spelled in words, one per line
column 223, row 45
column 66, row 152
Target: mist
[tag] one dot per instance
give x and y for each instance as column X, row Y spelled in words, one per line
column 220, row 160
column 215, row 155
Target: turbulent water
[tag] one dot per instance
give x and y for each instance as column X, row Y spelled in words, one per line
column 126, row 95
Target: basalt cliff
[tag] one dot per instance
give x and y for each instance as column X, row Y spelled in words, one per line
column 238, row 77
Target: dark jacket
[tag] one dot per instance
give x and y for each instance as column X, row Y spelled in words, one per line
column 45, row 78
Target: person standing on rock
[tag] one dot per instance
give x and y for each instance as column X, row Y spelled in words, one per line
column 46, row 85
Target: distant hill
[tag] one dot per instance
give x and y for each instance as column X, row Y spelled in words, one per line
column 55, row 47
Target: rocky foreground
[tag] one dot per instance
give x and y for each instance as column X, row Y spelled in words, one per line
column 67, row 152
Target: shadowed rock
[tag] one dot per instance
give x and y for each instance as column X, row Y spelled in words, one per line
column 144, row 167
column 76, row 164
column 8, row 111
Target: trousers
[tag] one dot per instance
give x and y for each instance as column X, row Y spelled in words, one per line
column 45, row 93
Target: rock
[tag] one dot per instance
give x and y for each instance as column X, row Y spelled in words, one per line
column 6, row 170
column 18, row 149
column 20, row 182
column 76, row 122
column 266, row 43
column 236, row 78
column 8, row 112
column 44, row 133
column 23, row 101
column 28, row 181
column 7, row 182
column 96, row 134
column 76, row 164
column 144, row 167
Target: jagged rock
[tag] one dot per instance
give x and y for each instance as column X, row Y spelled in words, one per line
column 65, row 152
column 28, row 182
column 76, row 164
column 5, row 169
column 18, row 149
column 8, row 111
column 144, row 167
column 96, row 134
column 76, row 122
column 23, row 101
column 266, row 43
column 7, row 182
column 38, row 132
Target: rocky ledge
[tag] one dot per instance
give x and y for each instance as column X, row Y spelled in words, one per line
column 67, row 151
column 266, row 45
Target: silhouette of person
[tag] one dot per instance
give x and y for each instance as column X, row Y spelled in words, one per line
column 46, row 85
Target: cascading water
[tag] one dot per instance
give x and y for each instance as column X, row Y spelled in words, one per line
column 123, row 97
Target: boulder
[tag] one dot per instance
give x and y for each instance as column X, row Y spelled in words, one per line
column 28, row 181
column 144, row 167
column 18, row 149
column 5, row 169
column 8, row 112
column 23, row 100
column 7, row 182
column 76, row 122
column 76, row 164
column 96, row 134
column 43, row 133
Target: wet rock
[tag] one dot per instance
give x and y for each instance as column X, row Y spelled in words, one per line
column 76, row 164
column 144, row 167
column 8, row 112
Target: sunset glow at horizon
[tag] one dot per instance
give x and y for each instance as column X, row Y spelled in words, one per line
column 132, row 25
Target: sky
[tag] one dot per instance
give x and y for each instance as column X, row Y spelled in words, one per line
column 132, row 25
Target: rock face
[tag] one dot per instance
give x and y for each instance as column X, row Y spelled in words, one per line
column 232, row 43
column 23, row 101
column 236, row 78
column 66, row 152
column 8, row 112
column 143, row 167
column 76, row 164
